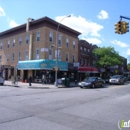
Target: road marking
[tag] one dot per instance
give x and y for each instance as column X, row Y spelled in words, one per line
column 113, row 87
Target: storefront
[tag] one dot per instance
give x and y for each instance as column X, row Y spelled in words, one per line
column 36, row 68
column 86, row 71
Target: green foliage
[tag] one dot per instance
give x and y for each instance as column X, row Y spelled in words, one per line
column 107, row 57
column 128, row 65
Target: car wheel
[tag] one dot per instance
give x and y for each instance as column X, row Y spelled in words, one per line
column 93, row 85
column 102, row 84
column 81, row 87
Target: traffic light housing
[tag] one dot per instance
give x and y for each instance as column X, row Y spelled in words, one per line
column 56, row 69
column 118, row 27
column 121, row 27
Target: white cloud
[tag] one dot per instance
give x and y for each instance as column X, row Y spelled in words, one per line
column 103, row 15
column 92, row 40
column 12, row 23
column 81, row 24
column 2, row 13
column 128, row 52
column 119, row 43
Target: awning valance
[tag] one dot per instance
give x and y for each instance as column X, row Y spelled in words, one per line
column 87, row 69
column 41, row 64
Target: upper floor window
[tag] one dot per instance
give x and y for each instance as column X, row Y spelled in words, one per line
column 74, row 59
column 26, row 55
column 59, row 54
column 27, row 39
column 13, row 44
column 60, row 39
column 51, row 37
column 85, row 62
column 84, row 49
column 74, row 44
column 37, row 54
column 38, row 36
column 81, row 61
column 20, row 40
column 1, row 46
column 19, row 55
column 67, row 42
column 12, row 57
column 67, row 56
column 0, row 58
column 88, row 50
column 8, row 44
column 81, row 48
column 7, row 57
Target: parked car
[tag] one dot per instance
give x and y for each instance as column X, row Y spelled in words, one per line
column 92, row 82
column 117, row 79
column 125, row 78
column 2, row 80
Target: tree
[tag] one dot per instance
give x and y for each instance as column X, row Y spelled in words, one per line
column 107, row 57
column 128, row 65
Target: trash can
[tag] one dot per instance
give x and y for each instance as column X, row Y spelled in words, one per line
column 67, row 82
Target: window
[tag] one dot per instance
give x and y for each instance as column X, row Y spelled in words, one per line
column 37, row 54
column 50, row 54
column 1, row 46
column 7, row 57
column 74, row 45
column 19, row 56
column 74, row 59
column 20, row 40
column 81, row 48
column 38, row 36
column 88, row 50
column 81, row 61
column 59, row 54
column 60, row 39
column 0, row 58
column 84, row 49
column 67, row 42
column 67, row 56
column 13, row 43
column 85, row 62
column 8, row 44
column 26, row 55
column 27, row 39
column 51, row 37
column 12, row 57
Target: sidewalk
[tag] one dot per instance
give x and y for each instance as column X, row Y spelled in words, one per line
column 36, row 85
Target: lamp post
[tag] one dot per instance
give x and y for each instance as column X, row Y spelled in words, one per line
column 56, row 65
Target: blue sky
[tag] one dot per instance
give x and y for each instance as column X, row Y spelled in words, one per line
column 95, row 19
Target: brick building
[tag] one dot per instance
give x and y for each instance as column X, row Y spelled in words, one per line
column 33, row 52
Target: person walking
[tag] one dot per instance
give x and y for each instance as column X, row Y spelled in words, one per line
column 43, row 79
column 30, row 81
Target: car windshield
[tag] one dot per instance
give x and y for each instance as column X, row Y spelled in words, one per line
column 90, row 79
column 116, row 76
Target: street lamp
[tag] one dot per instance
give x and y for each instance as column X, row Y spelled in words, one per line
column 56, row 65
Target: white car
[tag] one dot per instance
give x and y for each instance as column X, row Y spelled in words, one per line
column 2, row 80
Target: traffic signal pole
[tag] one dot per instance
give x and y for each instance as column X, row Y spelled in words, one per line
column 124, row 17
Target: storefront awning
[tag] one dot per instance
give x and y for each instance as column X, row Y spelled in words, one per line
column 87, row 69
column 41, row 64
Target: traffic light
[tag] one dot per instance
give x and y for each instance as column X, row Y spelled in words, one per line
column 56, row 69
column 118, row 27
column 126, row 27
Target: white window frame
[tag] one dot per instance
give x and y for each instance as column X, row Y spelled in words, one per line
column 67, row 57
column 13, row 44
column 19, row 56
column 1, row 46
column 27, row 39
column 50, row 54
column 7, row 57
column 0, row 58
column 74, row 44
column 59, row 39
column 26, row 54
column 67, row 42
column 74, row 58
column 51, row 36
column 37, row 54
column 8, row 44
column 38, row 36
column 20, row 41
column 13, row 57
column 59, row 54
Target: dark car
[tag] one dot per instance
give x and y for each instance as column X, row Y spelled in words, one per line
column 92, row 82
column 117, row 79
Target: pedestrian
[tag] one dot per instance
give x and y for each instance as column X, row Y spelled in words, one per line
column 30, row 80
column 43, row 79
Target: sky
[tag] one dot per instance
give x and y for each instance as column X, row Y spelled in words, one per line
column 95, row 19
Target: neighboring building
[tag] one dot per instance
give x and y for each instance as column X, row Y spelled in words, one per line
column 34, row 52
column 86, row 59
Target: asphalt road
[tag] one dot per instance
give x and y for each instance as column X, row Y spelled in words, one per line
column 64, row 108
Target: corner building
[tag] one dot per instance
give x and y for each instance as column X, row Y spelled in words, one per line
column 33, row 52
